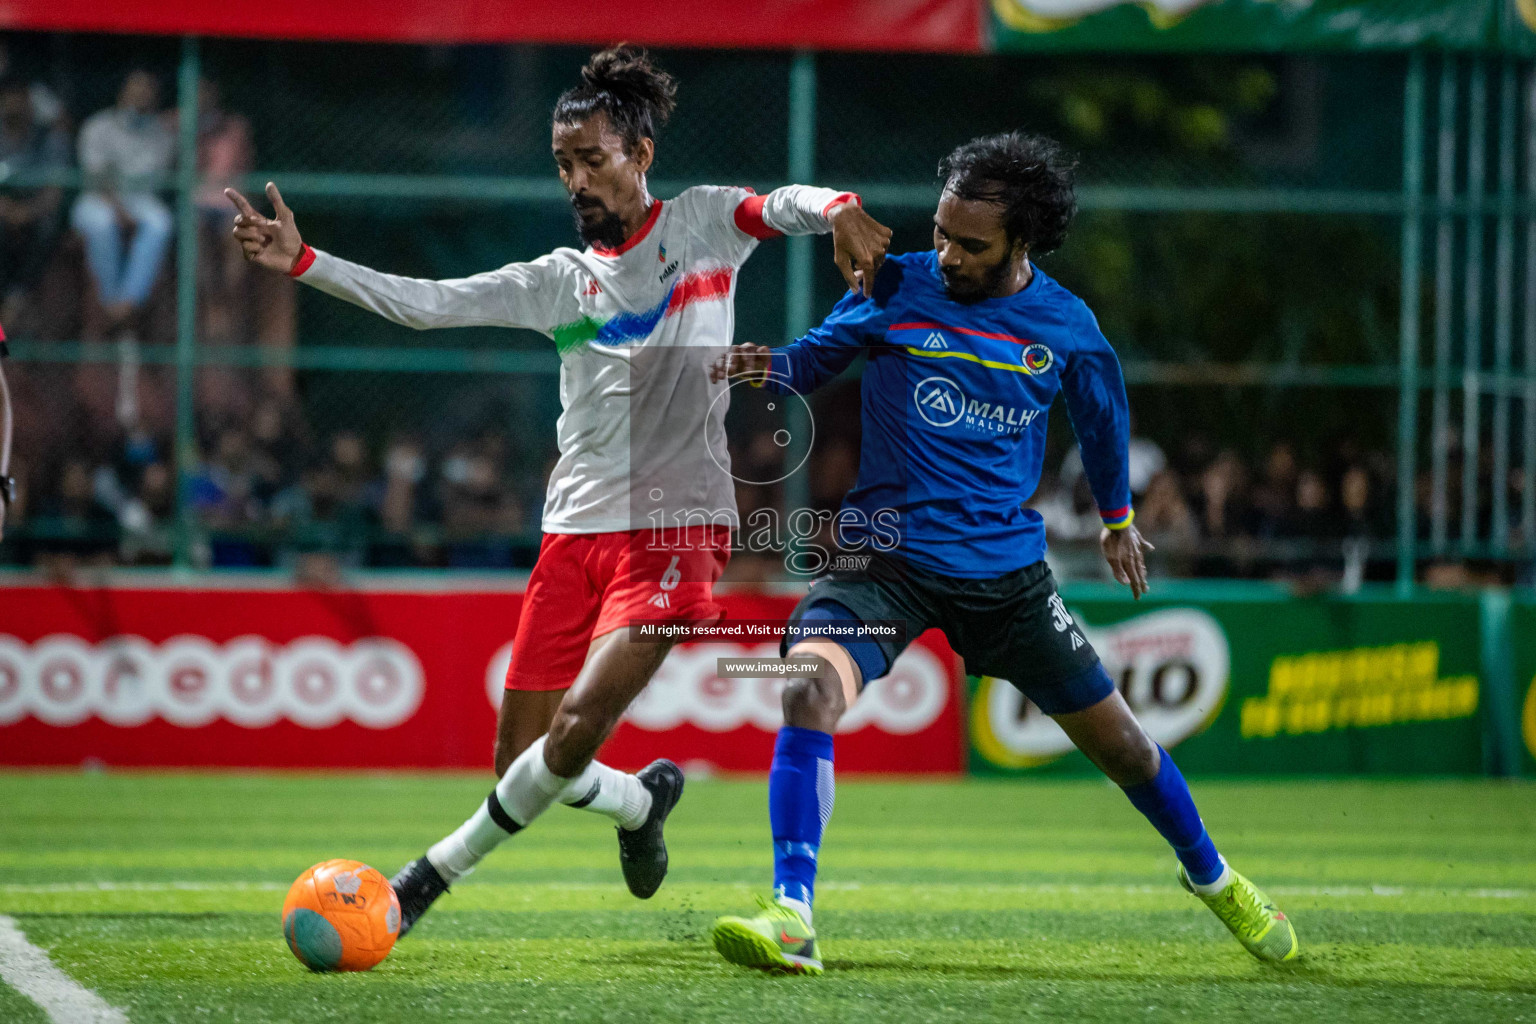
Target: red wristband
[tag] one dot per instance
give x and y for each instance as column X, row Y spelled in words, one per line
column 306, row 258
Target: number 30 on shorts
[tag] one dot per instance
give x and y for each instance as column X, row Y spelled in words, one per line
column 1059, row 614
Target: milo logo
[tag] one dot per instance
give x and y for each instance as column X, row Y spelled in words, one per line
column 1171, row 666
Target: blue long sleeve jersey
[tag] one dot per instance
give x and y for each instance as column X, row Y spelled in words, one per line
column 955, row 403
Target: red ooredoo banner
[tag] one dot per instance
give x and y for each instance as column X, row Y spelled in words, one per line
column 948, row 26
column 354, row 679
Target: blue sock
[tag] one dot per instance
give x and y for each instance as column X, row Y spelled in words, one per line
column 1166, row 802
column 799, row 804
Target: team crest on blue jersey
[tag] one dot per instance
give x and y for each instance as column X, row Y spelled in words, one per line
column 1037, row 359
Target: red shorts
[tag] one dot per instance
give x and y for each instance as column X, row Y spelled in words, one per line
column 585, row 585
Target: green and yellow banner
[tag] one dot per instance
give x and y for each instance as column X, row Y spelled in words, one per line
column 1163, row 26
column 1274, row 686
column 1522, row 631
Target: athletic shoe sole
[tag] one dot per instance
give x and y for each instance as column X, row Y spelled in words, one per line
column 748, row 948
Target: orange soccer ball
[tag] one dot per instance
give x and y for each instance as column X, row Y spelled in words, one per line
column 341, row 915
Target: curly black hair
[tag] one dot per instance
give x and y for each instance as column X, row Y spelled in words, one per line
column 637, row 96
column 1030, row 176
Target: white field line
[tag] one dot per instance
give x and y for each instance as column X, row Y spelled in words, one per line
column 1387, row 891
column 1286, row 890
column 29, row 971
column 45, row 887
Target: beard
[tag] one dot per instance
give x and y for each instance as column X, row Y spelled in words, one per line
column 606, row 231
column 965, row 292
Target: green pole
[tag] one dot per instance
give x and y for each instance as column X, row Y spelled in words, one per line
column 1472, row 336
column 1528, row 431
column 798, row 289
column 1408, row 392
column 1504, row 308
column 1501, row 703
column 186, row 292
column 1445, row 307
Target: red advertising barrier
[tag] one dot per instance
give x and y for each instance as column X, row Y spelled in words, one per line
column 363, row 679
column 950, row 26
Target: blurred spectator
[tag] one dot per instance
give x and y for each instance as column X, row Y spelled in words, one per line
column 1165, row 515
column 1361, row 512
column 281, row 437
column 123, row 149
column 147, row 517
column 397, row 497
column 1145, row 459
column 1069, row 513
column 1309, row 513
column 322, row 519
column 224, row 491
column 47, row 108
column 75, row 527
column 326, row 509
column 29, row 216
column 1221, row 497
column 403, row 507
column 1274, row 497
column 480, row 513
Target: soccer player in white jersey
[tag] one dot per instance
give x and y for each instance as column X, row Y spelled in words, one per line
column 638, row 316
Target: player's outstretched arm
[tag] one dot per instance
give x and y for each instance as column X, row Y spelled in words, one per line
column 859, row 241
column 1094, row 388
column 534, row 295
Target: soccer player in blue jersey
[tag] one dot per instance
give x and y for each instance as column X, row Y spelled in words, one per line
column 968, row 345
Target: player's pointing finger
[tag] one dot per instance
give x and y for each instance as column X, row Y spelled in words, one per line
column 241, row 203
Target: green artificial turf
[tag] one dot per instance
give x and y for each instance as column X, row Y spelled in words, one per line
column 974, row 901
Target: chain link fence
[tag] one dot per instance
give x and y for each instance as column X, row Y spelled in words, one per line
column 1242, row 242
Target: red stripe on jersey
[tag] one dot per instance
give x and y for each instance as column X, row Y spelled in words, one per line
column 697, row 288
column 924, row 325
column 749, row 219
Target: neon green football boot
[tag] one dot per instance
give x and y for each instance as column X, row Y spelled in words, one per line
column 1252, row 916
column 778, row 939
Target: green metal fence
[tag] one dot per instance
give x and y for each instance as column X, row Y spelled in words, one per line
column 1393, row 298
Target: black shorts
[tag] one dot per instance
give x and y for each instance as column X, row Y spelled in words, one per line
column 1014, row 627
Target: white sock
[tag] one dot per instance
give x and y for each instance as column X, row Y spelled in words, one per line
column 523, row 793
column 798, row 906
column 604, row 790
column 1211, row 888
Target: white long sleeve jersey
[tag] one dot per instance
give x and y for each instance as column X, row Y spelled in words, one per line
column 642, row 431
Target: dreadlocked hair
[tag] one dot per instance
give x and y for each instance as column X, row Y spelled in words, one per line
column 621, row 82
